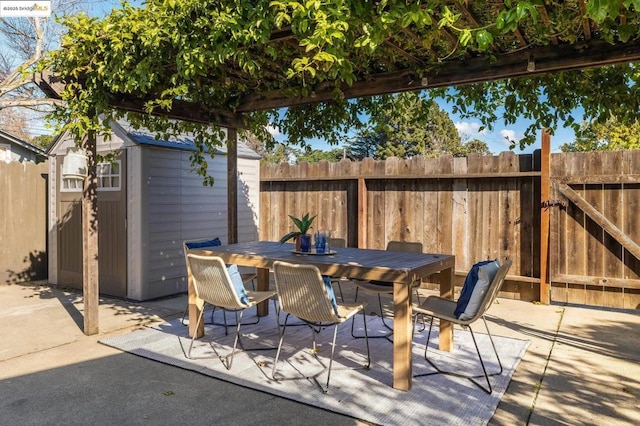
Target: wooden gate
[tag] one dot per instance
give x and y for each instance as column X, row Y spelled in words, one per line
column 594, row 255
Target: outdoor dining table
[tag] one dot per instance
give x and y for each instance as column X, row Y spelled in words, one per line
column 401, row 268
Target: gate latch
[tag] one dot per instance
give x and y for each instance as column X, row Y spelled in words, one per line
column 553, row 203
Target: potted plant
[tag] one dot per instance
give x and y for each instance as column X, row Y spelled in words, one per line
column 303, row 224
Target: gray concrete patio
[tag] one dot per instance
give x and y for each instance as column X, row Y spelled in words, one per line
column 582, row 367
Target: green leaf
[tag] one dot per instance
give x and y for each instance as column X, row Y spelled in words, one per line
column 288, row 236
column 465, row 37
column 407, row 19
column 501, row 20
column 625, row 32
column 521, row 10
column 484, row 39
column 635, row 3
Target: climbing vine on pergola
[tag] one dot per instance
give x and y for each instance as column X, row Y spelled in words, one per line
column 237, row 63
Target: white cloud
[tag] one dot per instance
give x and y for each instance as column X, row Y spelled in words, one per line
column 508, row 134
column 468, row 128
column 273, row 130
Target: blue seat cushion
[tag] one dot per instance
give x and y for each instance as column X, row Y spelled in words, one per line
column 332, row 296
column 467, row 289
column 238, row 285
column 199, row 244
column 486, row 273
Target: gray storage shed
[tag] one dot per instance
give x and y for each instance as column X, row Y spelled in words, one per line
column 149, row 201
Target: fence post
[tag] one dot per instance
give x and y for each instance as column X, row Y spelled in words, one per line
column 362, row 213
column 544, row 217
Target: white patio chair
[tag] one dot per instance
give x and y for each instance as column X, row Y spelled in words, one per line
column 203, row 243
column 303, row 293
column 214, row 285
column 444, row 309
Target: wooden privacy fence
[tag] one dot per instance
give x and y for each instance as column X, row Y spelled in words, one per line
column 481, row 207
column 23, row 221
column 477, row 207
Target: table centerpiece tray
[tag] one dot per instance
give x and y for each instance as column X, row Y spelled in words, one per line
column 314, row 253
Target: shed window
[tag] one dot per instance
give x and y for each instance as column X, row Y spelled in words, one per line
column 109, row 176
column 71, row 184
column 108, row 179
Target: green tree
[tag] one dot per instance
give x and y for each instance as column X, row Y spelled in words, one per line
column 363, row 145
column 475, row 145
column 43, row 141
column 411, row 126
column 317, row 155
column 609, row 136
column 278, row 154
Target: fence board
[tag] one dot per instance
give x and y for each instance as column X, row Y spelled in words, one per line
column 460, row 215
column 23, row 221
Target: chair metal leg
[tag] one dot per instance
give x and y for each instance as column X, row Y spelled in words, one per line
column 186, row 313
column 227, row 360
column 366, row 339
column 415, row 324
column 337, row 281
column 353, row 320
column 424, row 326
column 488, row 389
column 333, row 349
column 316, row 328
column 281, row 328
column 193, row 338
column 229, row 357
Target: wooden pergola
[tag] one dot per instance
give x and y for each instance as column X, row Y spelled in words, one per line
column 411, row 59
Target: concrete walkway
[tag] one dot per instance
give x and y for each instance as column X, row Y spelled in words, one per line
column 581, row 368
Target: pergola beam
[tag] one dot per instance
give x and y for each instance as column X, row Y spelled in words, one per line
column 53, row 86
column 474, row 70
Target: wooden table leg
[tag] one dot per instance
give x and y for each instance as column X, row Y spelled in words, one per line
column 402, row 336
column 263, row 285
column 446, row 290
column 195, row 307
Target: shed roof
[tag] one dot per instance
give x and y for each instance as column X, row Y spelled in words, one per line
column 183, row 142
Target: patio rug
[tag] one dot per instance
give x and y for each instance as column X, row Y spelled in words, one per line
column 359, row 393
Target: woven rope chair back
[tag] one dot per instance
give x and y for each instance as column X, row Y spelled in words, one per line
column 212, row 282
column 301, row 292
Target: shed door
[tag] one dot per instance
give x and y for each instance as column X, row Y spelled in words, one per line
column 112, row 233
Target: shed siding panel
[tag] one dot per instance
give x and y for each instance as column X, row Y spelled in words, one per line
column 248, row 200
column 180, row 207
